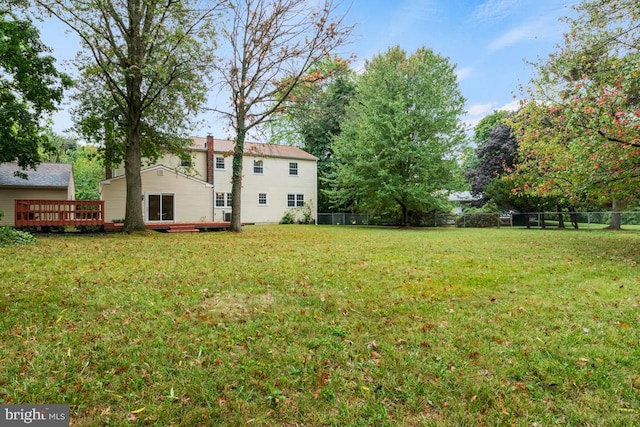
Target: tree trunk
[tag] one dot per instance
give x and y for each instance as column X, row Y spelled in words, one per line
column 404, row 221
column 236, row 180
column 616, row 219
column 573, row 216
column 560, row 216
column 134, row 219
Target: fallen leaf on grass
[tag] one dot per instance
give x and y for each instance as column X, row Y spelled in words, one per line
column 427, row 326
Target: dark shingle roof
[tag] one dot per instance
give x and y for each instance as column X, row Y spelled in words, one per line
column 50, row 175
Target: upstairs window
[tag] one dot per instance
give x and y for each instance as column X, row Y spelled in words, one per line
column 293, row 168
column 220, row 163
column 258, row 167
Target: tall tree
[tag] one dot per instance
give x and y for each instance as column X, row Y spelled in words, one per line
column 398, row 143
column 273, row 44
column 143, row 65
column 312, row 115
column 30, row 88
column 495, row 154
column 581, row 121
column 88, row 168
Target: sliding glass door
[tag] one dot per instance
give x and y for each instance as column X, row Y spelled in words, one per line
column 160, row 207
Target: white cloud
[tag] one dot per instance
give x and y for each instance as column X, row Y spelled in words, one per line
column 513, row 36
column 463, row 73
column 475, row 113
column 545, row 28
column 511, row 106
column 493, row 9
column 479, row 109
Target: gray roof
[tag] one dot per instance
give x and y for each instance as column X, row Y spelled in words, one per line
column 49, row 175
column 463, row 196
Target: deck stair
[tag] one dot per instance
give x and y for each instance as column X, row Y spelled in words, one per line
column 182, row 228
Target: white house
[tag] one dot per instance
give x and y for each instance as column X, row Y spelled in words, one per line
column 276, row 179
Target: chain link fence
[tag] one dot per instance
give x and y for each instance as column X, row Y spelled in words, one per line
column 578, row 220
column 343, row 219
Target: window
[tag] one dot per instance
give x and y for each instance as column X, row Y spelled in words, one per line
column 186, row 163
column 295, row 200
column 220, row 162
column 262, row 199
column 293, row 168
column 220, row 200
column 258, row 167
column 229, row 200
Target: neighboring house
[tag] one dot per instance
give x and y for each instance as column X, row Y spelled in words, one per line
column 276, row 178
column 49, row 181
column 462, row 200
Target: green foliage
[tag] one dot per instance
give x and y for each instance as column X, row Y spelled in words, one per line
column 579, row 138
column 486, row 216
column 88, row 169
column 494, row 157
column 312, row 114
column 272, row 48
column 9, row 237
column 322, row 326
column 482, row 131
column 398, row 142
column 143, row 77
column 302, row 215
column 30, row 89
column 288, row 217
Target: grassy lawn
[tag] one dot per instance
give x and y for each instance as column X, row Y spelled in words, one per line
column 318, row 326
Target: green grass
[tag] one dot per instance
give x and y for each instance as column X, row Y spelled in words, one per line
column 320, row 326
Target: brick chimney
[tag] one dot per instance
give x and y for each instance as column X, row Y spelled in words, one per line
column 210, row 159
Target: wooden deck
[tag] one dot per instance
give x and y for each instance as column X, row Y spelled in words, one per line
column 90, row 213
column 58, row 213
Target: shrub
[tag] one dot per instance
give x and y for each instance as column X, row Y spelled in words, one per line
column 486, row 216
column 307, row 215
column 288, row 218
column 9, row 236
column 291, row 216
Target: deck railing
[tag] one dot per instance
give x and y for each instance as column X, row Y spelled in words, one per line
column 53, row 213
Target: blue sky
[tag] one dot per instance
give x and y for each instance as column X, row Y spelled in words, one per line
column 488, row 40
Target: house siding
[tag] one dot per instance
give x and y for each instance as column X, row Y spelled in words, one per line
column 192, row 204
column 192, row 199
column 9, row 195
